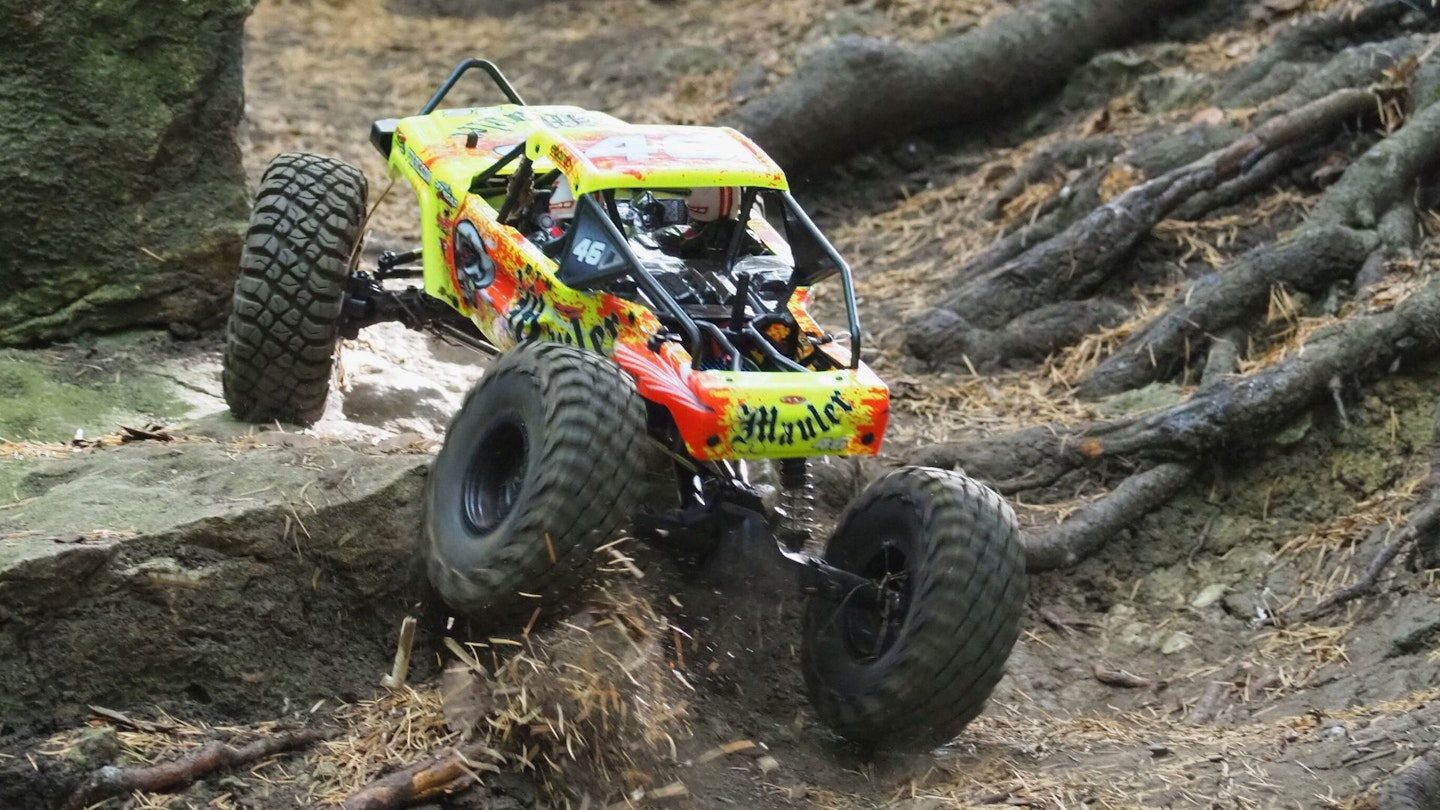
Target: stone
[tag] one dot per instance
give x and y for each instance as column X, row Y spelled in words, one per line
column 1210, row 595
column 189, row 573
column 1415, row 625
column 125, row 198
column 1175, row 642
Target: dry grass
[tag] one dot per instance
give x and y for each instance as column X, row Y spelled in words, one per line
column 954, row 407
column 591, row 705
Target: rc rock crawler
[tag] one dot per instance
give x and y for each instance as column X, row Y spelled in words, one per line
column 636, row 283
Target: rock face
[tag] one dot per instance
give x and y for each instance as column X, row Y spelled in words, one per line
column 122, row 197
column 202, row 576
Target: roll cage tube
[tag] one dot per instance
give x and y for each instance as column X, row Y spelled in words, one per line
column 484, row 64
column 846, row 280
column 647, row 283
column 592, row 210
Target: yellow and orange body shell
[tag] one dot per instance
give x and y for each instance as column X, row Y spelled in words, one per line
column 719, row 414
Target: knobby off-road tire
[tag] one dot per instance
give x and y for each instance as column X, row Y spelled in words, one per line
column 540, row 466
column 951, row 549
column 285, row 315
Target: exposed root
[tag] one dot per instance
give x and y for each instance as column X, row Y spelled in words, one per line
column 1415, row 788
column 859, row 91
column 1086, row 254
column 213, row 756
column 1087, row 531
column 442, row 774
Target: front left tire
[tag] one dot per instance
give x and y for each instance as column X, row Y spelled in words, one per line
column 284, row 326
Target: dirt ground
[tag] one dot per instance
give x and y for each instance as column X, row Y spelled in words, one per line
column 1148, row 676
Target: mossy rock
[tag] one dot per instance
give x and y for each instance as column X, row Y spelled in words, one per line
column 124, row 197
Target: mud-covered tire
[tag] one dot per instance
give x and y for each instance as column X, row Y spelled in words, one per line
column 285, row 315
column 951, row 549
column 541, row 465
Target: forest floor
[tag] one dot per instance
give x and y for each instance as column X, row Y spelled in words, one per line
column 1149, row 675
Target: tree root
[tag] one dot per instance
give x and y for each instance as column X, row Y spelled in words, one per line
column 1249, row 85
column 1078, row 260
column 440, row 775
column 1415, row 788
column 1339, row 237
column 1052, row 163
column 1235, row 413
column 860, row 91
column 1087, row 531
column 213, row 756
column 1233, row 295
column 942, row 335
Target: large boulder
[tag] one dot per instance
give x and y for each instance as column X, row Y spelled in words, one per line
column 250, row 577
column 122, row 197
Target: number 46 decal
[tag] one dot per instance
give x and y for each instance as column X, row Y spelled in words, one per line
column 589, row 251
column 642, row 148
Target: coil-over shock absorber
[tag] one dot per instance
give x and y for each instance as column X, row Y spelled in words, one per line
column 797, row 503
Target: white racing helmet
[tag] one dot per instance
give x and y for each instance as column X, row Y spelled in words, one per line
column 711, row 204
column 562, row 201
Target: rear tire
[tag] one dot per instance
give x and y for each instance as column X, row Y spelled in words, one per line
column 285, row 315
column 541, row 465
column 950, row 548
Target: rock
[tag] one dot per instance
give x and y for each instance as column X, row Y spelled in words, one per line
column 1209, row 596
column 1230, row 531
column 1415, row 625
column 198, row 573
column 1175, row 642
column 749, row 80
column 124, row 197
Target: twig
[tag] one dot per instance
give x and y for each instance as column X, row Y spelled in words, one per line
column 442, row 774
column 1423, row 520
column 212, row 756
column 1121, row 678
column 1335, row 388
column 401, row 667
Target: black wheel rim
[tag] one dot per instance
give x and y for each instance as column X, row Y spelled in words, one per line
column 494, row 478
column 870, row 630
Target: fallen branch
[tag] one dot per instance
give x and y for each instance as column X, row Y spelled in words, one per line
column 208, row 758
column 440, row 775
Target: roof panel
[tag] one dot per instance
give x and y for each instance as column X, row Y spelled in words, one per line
column 655, row 156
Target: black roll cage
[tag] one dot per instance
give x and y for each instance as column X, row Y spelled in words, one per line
column 692, row 329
